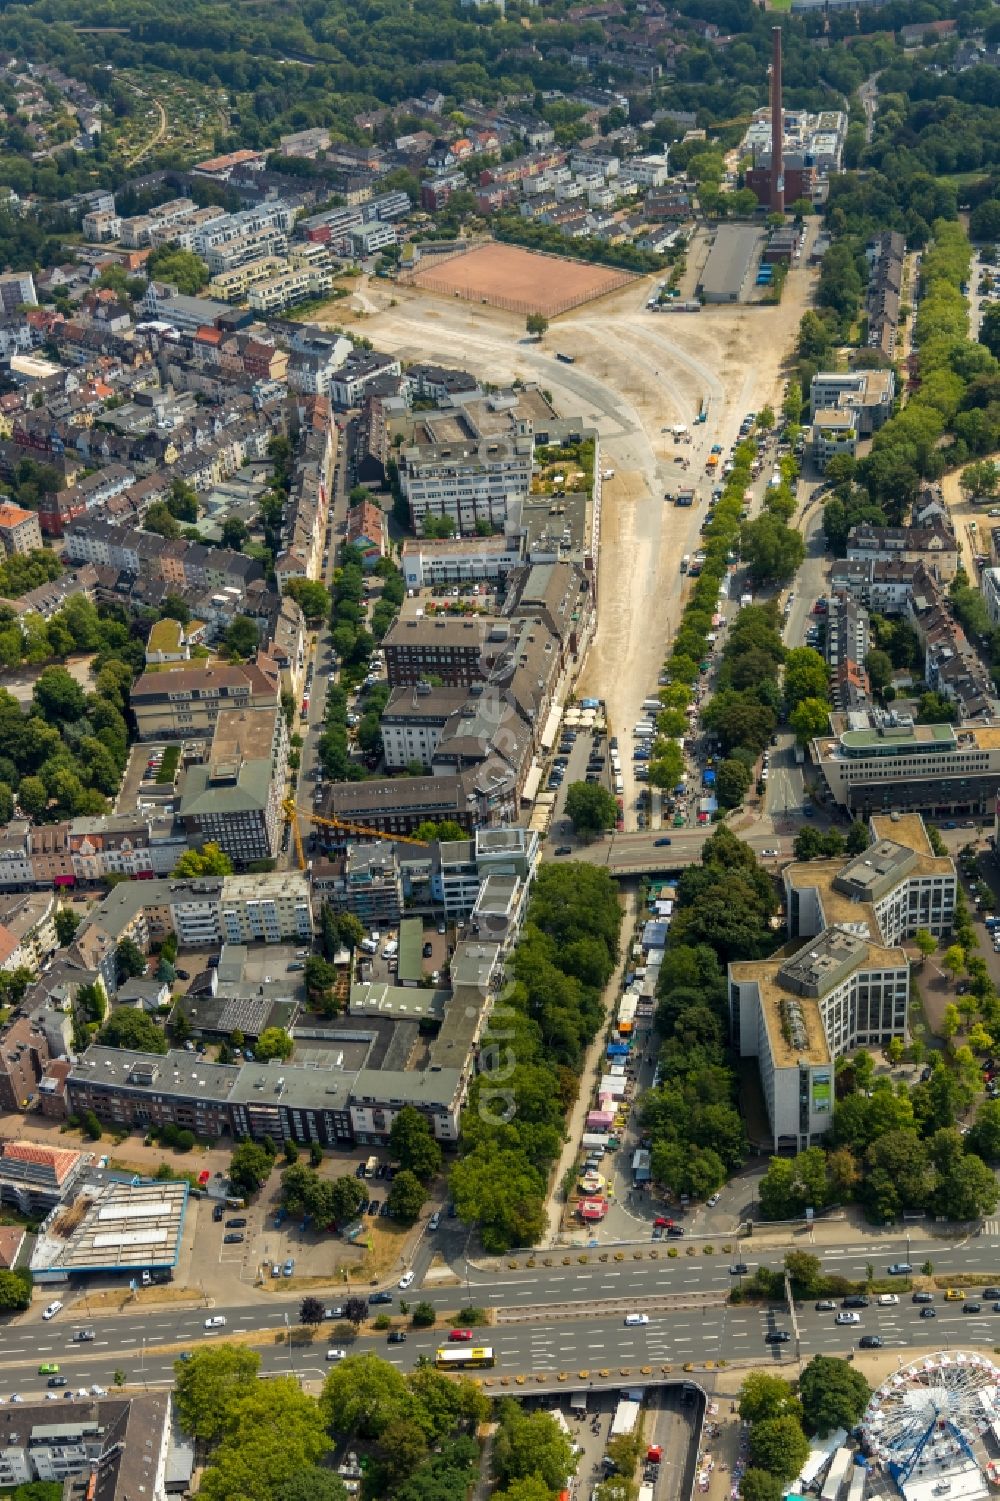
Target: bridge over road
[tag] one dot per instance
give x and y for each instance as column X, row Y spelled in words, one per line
column 652, row 853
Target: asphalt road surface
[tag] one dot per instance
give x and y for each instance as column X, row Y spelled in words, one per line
column 566, row 1330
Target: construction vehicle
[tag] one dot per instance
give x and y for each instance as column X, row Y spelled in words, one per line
column 293, row 813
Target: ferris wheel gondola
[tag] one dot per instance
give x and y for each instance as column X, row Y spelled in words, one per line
column 930, row 1413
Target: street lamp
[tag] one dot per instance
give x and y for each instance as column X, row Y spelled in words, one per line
column 142, row 1362
column 291, row 1357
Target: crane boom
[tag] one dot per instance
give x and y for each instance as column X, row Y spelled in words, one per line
column 293, row 813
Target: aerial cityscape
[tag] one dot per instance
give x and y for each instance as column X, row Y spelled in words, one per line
column 500, row 750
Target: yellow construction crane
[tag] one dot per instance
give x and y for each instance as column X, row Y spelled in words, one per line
column 293, row 812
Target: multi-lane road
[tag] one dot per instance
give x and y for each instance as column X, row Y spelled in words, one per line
column 562, row 1318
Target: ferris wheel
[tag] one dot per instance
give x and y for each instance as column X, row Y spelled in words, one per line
column 934, row 1408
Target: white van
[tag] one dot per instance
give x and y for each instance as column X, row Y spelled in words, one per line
column 391, row 949
column 368, row 946
column 643, row 730
column 653, row 704
column 217, row 1321
column 636, row 1318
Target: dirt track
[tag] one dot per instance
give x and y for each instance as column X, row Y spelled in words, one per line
column 635, row 373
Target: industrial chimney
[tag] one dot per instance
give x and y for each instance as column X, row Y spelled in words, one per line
column 777, row 127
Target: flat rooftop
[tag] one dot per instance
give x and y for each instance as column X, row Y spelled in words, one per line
column 876, row 870
column 117, row 1227
column 729, row 260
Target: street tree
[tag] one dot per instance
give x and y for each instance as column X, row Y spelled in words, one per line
column 732, row 782
column 666, row 765
column 413, row 1145
column 764, row 1396
column 805, row 1272
column 355, row 1311
column 590, row 807
column 530, row 1443
column 406, row 1197
column 536, row 325
column 249, row 1167
column 968, row 1191
column 363, row 1395
column 809, row 718
column 806, row 676
column 925, row 942
column 953, row 959
column 834, row 1394
column 779, row 1446
column 311, row 1311
column 761, row 1485
column 772, row 551
column 207, row 1387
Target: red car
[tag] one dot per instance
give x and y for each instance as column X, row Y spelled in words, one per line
column 662, row 1224
column 203, row 1178
column 460, row 1336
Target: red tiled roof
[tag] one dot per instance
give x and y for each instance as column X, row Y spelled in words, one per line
column 59, row 1159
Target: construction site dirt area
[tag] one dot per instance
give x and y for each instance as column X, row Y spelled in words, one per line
column 520, row 281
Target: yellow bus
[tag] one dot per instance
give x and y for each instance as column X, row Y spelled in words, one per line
column 464, row 1357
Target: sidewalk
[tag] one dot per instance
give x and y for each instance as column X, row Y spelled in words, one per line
column 588, row 1072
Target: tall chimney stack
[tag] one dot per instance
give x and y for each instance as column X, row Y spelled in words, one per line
column 777, row 128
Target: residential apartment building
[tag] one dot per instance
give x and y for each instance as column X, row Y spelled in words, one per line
column 114, row 1449
column 935, row 545
column 266, row 909
column 19, row 529
column 185, row 703
column 413, row 722
column 17, row 289
column 24, row 1054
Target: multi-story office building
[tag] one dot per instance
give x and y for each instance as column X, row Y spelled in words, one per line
column 848, row 986
column 233, row 798
column 470, row 480
column 797, row 1015
column 452, row 649
column 876, row 761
